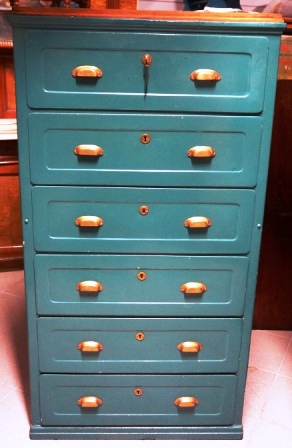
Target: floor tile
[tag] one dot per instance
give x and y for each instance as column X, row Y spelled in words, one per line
column 5, row 390
column 259, row 383
column 286, row 366
column 12, row 281
column 284, row 334
column 278, row 409
column 269, row 435
column 267, row 350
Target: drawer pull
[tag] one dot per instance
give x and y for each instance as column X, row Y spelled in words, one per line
column 88, row 150
column 198, row 222
column 201, row 151
column 193, row 288
column 205, row 74
column 89, row 221
column 90, row 346
column 189, row 347
column 89, row 402
column 89, row 71
column 186, row 402
column 89, row 286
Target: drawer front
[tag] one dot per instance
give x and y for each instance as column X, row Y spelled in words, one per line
column 123, row 82
column 60, row 395
column 133, row 220
column 140, row 285
column 128, row 158
column 139, row 345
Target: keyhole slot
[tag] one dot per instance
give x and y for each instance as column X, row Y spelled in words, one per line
column 144, row 210
column 145, row 139
column 138, row 392
column 141, row 276
column 140, row 336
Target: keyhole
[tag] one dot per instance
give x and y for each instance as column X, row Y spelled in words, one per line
column 147, row 60
column 138, row 392
column 140, row 336
column 141, row 276
column 145, row 138
column 144, row 210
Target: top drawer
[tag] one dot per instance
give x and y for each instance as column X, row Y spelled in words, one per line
column 126, row 84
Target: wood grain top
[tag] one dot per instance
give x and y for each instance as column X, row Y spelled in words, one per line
column 203, row 16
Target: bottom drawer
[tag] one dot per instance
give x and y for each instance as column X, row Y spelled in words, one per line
column 137, row 400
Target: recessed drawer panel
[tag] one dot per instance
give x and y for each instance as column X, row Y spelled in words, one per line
column 211, row 400
column 142, row 220
column 154, row 150
column 119, row 80
column 101, row 285
column 87, row 345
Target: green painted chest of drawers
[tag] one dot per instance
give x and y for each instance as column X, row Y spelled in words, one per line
column 144, row 148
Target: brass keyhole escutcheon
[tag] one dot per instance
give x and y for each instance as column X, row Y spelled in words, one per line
column 138, row 392
column 144, row 210
column 141, row 276
column 147, row 60
column 145, row 138
column 140, row 336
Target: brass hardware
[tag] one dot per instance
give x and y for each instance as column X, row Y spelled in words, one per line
column 89, row 286
column 147, row 60
column 89, row 402
column 90, row 346
column 201, row 151
column 138, row 392
column 198, row 222
column 141, row 276
column 186, row 402
column 205, row 74
column 193, row 288
column 144, row 210
column 189, row 347
column 89, row 71
column 88, row 150
column 140, row 336
column 145, row 138
column 89, row 221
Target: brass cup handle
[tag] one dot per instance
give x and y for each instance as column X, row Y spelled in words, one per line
column 89, row 286
column 89, row 221
column 201, row 152
column 90, row 346
column 193, row 288
column 89, row 402
column 88, row 71
column 186, row 402
column 88, row 150
column 198, row 222
column 205, row 74
column 189, row 347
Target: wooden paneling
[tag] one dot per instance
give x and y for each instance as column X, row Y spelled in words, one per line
column 273, row 299
column 10, row 222
column 7, row 85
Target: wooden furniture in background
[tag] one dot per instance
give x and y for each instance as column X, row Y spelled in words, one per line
column 10, row 222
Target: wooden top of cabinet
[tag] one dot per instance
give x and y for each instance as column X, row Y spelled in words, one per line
column 193, row 16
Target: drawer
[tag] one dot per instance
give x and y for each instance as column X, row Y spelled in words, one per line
column 133, row 220
column 127, row 160
column 60, row 395
column 139, row 345
column 122, row 85
column 140, row 285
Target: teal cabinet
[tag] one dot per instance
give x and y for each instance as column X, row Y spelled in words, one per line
column 144, row 149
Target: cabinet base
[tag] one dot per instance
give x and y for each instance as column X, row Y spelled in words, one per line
column 140, row 432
